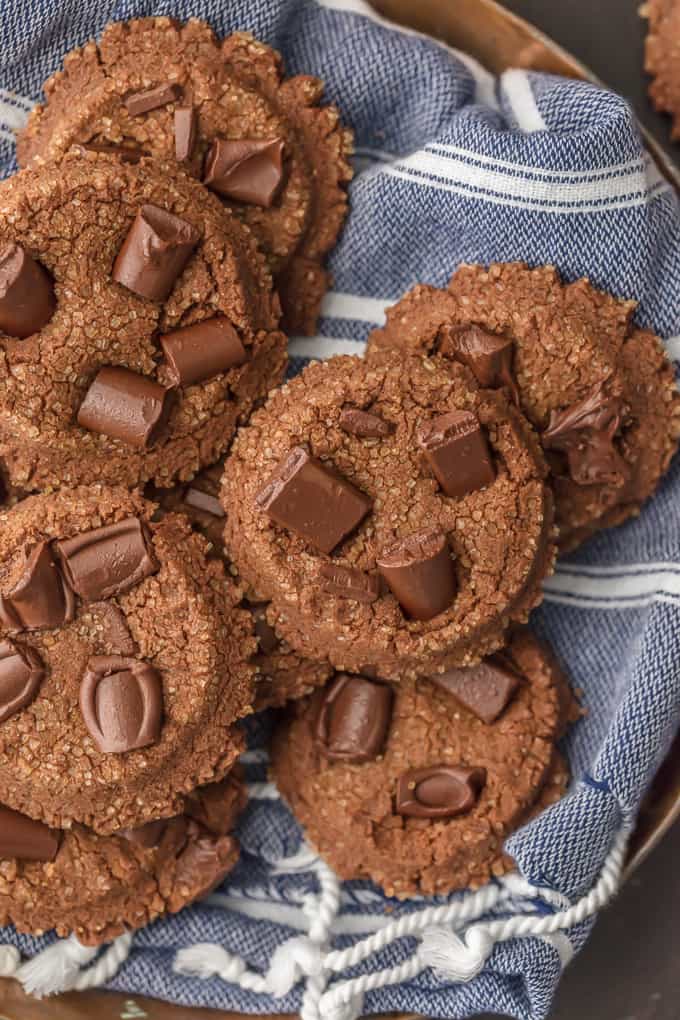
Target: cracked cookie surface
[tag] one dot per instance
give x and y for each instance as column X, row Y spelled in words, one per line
column 237, row 90
column 499, row 536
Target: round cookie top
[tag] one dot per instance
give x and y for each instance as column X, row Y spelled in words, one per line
column 415, row 786
column 282, row 674
column 600, row 392
column 98, row 887
column 124, row 660
column 226, row 112
column 160, row 335
column 394, row 514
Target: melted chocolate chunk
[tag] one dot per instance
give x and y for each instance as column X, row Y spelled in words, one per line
column 154, row 253
column 249, row 170
column 439, row 791
column 107, row 561
column 487, row 355
column 27, row 301
column 420, row 574
column 21, row 674
column 24, row 839
column 313, row 501
column 585, row 432
column 456, row 449
column 151, row 99
column 42, row 598
column 122, row 703
column 353, row 719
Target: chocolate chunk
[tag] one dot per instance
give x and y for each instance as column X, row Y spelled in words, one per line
column 264, row 632
column 24, row 839
column 148, row 836
column 248, row 170
column 204, row 862
column 420, row 573
column 457, row 451
column 151, row 99
column 364, row 424
column 154, row 253
column 349, row 583
column 126, row 406
column 217, row 805
column 198, row 352
column 107, row 561
column 21, row 674
column 185, row 132
column 41, row 599
column 122, row 703
column 585, row 433
column 126, row 153
column 487, row 355
column 439, row 791
column 27, row 301
column 353, row 719
column 200, row 500
column 313, row 501
column 486, row 690
column 115, row 633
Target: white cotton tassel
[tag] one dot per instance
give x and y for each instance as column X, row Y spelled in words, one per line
column 56, row 968
column 10, row 960
column 206, row 960
column 352, row 1010
column 291, row 961
column 452, row 957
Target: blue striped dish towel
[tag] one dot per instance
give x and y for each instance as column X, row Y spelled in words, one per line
column 452, row 165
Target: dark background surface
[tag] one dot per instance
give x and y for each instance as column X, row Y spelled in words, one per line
column 630, row 969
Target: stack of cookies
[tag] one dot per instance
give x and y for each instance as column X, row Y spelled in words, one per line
column 185, row 543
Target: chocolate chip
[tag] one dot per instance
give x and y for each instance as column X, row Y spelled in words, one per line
column 107, row 561
column 439, row 791
column 126, row 406
column 487, row 355
column 148, row 836
column 486, row 689
column 420, row 574
column 151, row 99
column 585, row 432
column 349, row 583
column 248, row 170
column 204, row 862
column 126, row 153
column 154, row 253
column 185, row 132
column 27, row 301
column 41, row 599
column 115, row 632
column 24, row 839
column 353, row 719
column 199, row 352
column 200, row 500
column 456, row 449
column 364, row 424
column 21, row 674
column 216, row 805
column 122, row 703
column 313, row 501
column 264, row 632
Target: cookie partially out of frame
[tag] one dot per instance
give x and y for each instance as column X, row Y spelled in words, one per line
column 662, row 50
column 173, row 91
column 124, row 660
column 600, row 392
column 416, row 786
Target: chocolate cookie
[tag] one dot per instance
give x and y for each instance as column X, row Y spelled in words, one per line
column 661, row 57
column 225, row 111
column 600, row 392
column 416, row 786
column 281, row 674
column 153, row 325
column 124, row 662
column 394, row 514
column 97, row 887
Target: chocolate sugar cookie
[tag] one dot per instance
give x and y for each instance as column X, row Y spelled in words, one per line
column 98, row 887
column 600, row 392
column 153, row 325
column 394, row 514
column 225, row 111
column 124, row 660
column 281, row 674
column 416, row 786
column 661, row 57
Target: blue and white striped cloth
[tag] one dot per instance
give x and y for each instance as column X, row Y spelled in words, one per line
column 452, row 165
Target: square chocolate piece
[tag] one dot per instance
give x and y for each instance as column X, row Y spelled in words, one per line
column 456, row 449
